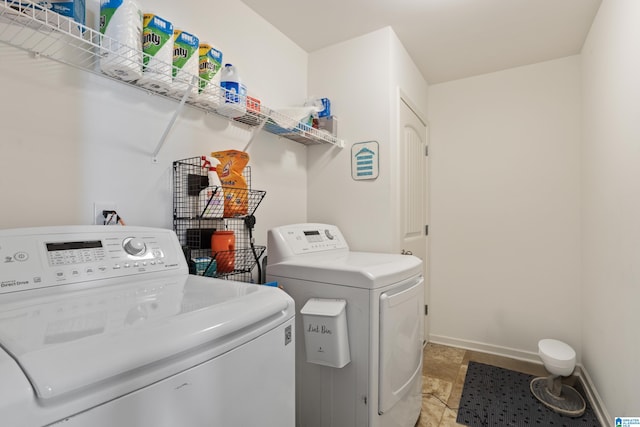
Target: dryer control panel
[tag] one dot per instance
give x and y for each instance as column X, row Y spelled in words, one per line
column 299, row 239
column 40, row 257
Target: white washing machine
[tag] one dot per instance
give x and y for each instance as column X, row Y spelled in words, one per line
column 103, row 326
column 384, row 294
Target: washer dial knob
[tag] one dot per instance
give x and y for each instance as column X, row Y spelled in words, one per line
column 134, row 246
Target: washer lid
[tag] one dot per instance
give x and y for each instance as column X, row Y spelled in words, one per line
column 70, row 340
column 367, row 270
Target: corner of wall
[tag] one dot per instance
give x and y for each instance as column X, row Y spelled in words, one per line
column 593, row 396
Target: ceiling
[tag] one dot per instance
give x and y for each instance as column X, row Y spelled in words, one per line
column 447, row 39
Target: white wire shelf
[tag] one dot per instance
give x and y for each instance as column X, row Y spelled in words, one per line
column 44, row 33
column 279, row 124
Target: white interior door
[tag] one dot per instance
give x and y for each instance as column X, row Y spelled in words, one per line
column 413, row 190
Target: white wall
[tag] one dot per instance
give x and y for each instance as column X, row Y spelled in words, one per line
column 361, row 77
column 71, row 138
column 355, row 75
column 505, row 200
column 611, row 206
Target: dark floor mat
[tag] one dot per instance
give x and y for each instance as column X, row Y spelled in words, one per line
column 494, row 397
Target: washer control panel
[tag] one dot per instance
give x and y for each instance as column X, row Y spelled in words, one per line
column 309, row 238
column 50, row 256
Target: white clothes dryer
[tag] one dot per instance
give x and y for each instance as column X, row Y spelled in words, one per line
column 103, row 326
column 384, row 294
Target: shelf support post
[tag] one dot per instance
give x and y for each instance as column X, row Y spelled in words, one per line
column 255, row 131
column 163, row 138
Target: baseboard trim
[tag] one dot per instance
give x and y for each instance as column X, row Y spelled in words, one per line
column 592, row 394
column 594, row 398
column 513, row 353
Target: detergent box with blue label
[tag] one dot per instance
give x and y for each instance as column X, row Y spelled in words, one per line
column 74, row 9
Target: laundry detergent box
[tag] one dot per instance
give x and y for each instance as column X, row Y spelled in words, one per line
column 74, row 9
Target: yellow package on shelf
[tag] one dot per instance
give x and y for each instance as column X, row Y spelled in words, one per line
column 232, row 163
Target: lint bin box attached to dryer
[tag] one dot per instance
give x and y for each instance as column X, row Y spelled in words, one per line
column 325, row 332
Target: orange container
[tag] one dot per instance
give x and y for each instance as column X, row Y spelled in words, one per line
column 223, row 246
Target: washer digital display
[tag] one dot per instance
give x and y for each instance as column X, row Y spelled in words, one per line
column 313, row 236
column 66, row 253
column 66, row 246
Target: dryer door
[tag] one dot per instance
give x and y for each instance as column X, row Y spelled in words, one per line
column 401, row 330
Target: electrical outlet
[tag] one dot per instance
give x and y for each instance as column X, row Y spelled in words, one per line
column 98, row 207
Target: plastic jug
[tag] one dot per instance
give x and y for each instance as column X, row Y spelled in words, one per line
column 235, row 93
column 223, row 246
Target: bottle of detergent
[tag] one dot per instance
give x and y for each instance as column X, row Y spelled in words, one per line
column 234, row 92
column 211, row 198
column 223, row 246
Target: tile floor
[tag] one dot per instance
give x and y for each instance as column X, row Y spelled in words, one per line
column 443, row 377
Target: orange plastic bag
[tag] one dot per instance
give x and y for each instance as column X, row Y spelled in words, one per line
column 236, row 194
